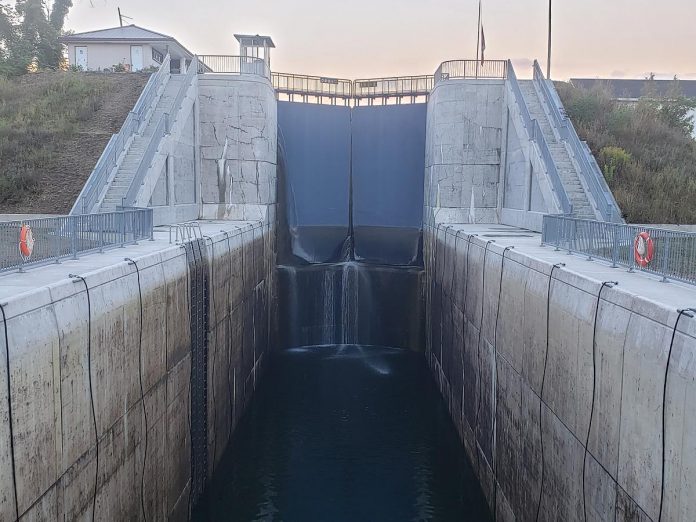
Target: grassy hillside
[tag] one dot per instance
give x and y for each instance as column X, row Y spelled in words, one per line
column 646, row 153
column 53, row 128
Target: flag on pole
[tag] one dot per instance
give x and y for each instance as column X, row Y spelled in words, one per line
column 483, row 44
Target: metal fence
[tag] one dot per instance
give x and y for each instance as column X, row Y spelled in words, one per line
column 65, row 237
column 589, row 170
column 667, row 253
column 224, row 64
column 98, row 179
column 471, row 69
column 305, row 85
column 394, row 87
column 536, row 135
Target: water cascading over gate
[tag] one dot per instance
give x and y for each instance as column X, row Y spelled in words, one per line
column 350, row 252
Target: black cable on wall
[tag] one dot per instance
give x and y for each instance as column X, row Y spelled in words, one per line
column 9, row 413
column 142, row 389
column 691, row 313
column 606, row 284
column 541, row 393
column 495, row 387
column 91, row 390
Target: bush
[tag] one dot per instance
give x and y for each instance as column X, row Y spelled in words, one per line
column 646, row 153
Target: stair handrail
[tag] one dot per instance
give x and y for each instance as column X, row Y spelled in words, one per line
column 589, row 169
column 163, row 128
column 146, row 160
column 537, row 136
column 99, row 177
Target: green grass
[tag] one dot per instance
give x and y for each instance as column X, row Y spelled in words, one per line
column 38, row 113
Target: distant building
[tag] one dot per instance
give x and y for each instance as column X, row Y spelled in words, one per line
column 131, row 46
column 630, row 91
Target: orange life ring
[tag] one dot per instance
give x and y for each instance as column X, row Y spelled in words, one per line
column 26, row 241
column 643, row 249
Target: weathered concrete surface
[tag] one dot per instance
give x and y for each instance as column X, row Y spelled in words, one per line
column 238, row 145
column 464, row 141
column 561, row 414
column 56, row 341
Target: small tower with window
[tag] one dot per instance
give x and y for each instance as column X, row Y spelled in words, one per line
column 254, row 47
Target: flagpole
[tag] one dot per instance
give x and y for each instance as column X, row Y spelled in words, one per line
column 548, row 60
column 478, row 39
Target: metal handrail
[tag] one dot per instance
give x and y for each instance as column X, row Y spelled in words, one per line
column 471, row 69
column 589, row 169
column 673, row 253
column 146, row 160
column 185, row 85
column 393, row 86
column 64, row 237
column 309, row 85
column 98, row 179
column 537, row 136
column 229, row 64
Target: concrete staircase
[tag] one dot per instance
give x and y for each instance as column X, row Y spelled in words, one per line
column 129, row 165
column 582, row 207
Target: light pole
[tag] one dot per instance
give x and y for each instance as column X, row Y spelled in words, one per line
column 548, row 59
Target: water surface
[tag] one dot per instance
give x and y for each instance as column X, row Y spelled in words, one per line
column 345, row 433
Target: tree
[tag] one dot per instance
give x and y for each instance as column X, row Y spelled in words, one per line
column 677, row 110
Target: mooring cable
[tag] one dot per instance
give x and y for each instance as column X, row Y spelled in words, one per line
column 91, row 390
column 605, row 284
column 9, row 412
column 478, row 349
column 495, row 385
column 142, row 389
column 691, row 313
column 541, row 392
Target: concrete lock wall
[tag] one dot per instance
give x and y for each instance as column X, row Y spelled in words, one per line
column 238, row 145
column 558, row 395
column 140, row 369
column 464, row 141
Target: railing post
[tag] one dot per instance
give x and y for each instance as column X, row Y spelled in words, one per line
column 73, row 236
column 615, row 245
column 123, row 228
column 665, row 260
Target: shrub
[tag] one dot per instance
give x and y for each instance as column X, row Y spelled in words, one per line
column 613, row 161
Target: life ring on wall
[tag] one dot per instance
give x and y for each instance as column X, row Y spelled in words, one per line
column 26, row 241
column 643, row 249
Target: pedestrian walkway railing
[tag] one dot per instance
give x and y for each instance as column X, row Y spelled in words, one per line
column 304, row 86
column 134, row 123
column 34, row 242
column 472, row 69
column 224, row 64
column 397, row 87
column 589, row 170
column 663, row 252
column 537, row 136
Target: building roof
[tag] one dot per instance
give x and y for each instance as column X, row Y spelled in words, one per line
column 255, row 40
column 635, row 89
column 127, row 33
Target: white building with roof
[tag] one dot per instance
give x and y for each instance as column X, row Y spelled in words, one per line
column 131, row 46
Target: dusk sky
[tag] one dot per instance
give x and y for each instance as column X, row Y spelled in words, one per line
column 367, row 38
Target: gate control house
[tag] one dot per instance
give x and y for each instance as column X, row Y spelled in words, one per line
column 134, row 47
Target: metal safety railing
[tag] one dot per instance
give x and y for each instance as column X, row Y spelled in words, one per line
column 308, row 85
column 226, row 64
column 537, row 136
column 589, row 170
column 98, row 179
column 667, row 253
column 393, row 87
column 471, row 69
column 33, row 242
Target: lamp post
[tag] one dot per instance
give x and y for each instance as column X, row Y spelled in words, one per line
column 548, row 60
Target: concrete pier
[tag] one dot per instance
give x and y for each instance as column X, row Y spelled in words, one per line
column 559, row 384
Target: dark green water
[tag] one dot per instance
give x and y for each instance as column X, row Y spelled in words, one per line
column 345, row 433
